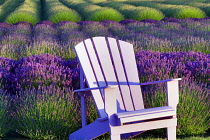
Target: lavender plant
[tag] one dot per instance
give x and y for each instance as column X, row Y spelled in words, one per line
column 193, row 111
column 6, row 67
column 5, row 121
column 46, row 113
column 67, row 26
column 43, row 69
column 94, row 29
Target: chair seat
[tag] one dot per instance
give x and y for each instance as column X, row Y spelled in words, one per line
column 146, row 114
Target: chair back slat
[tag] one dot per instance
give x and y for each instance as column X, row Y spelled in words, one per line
column 86, row 64
column 120, row 74
column 109, row 70
column 131, row 72
column 107, row 61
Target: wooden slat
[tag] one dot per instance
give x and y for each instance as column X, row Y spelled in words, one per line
column 144, row 126
column 106, row 66
column 120, row 74
column 148, row 116
column 144, row 111
column 145, row 114
column 131, row 73
column 89, row 74
column 173, row 93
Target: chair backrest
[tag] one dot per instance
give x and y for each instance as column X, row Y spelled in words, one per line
column 107, row 61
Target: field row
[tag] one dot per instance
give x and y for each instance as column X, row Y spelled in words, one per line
column 23, row 39
column 34, row 11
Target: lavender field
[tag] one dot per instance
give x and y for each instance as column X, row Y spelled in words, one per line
column 39, row 71
column 22, row 39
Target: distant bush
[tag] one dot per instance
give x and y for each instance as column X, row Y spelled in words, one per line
column 135, row 13
column 7, row 7
column 183, row 12
column 69, row 15
column 170, row 10
column 57, row 12
column 105, row 14
column 203, row 6
column 29, row 11
column 92, row 12
column 22, row 16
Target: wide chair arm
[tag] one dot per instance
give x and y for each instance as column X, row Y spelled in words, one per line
column 172, row 94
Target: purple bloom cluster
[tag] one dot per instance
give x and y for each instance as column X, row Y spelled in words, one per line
column 45, row 69
column 157, row 66
column 39, row 70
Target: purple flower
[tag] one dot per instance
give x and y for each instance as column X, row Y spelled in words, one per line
column 5, row 24
column 46, row 22
column 127, row 21
column 169, row 19
column 149, row 21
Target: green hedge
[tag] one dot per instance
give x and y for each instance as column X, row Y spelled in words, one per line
column 135, row 13
column 29, row 11
column 170, row 10
column 57, row 12
column 7, row 7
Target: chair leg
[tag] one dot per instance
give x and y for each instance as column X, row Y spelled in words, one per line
column 171, row 133
column 115, row 137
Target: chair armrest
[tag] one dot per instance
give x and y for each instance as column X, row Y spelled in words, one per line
column 155, row 82
column 89, row 89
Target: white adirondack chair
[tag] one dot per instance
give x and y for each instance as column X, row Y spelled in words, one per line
column 110, row 69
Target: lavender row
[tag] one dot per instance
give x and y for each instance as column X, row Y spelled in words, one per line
column 46, row 70
column 23, row 39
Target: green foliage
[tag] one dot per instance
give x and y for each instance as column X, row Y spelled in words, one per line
column 135, row 13
column 193, row 111
column 57, row 12
column 29, row 11
column 203, row 6
column 96, row 1
column 60, row 15
column 46, row 113
column 171, row 10
column 7, row 7
column 22, row 16
column 105, row 14
column 2, row 1
column 5, row 122
column 183, row 12
column 141, row 13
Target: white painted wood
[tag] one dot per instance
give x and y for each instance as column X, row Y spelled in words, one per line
column 172, row 93
column 144, row 126
column 106, row 64
column 132, row 73
column 144, row 111
column 120, row 74
column 94, row 88
column 86, row 65
column 148, row 116
column 171, row 133
column 115, row 137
